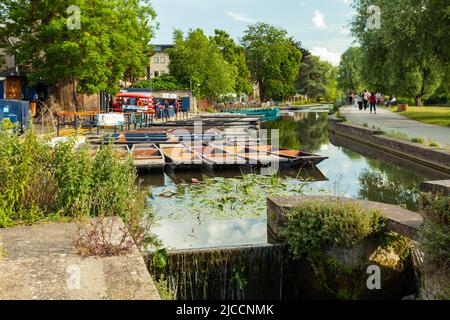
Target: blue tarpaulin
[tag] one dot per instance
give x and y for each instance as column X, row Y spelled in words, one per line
column 16, row 111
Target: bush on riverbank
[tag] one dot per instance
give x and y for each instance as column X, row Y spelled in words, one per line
column 39, row 183
column 336, row 242
column 434, row 236
column 316, row 226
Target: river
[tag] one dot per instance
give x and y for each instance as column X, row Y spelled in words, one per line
column 230, row 209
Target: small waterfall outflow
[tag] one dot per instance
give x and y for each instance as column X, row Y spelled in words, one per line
column 242, row 273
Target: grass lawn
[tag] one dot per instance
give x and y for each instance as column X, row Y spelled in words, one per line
column 434, row 115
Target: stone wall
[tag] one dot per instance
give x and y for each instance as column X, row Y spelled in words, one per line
column 432, row 157
column 401, row 221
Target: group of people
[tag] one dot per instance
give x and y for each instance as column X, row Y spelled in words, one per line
column 370, row 100
column 367, row 99
column 164, row 109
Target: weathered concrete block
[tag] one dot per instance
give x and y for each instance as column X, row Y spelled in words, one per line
column 41, row 263
column 400, row 220
column 435, row 187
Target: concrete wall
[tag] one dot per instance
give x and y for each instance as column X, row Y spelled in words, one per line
column 400, row 220
column 432, row 157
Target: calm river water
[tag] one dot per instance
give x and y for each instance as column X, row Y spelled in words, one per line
column 230, row 209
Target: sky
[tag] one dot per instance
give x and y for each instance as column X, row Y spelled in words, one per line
column 320, row 25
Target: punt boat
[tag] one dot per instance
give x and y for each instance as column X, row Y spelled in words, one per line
column 147, row 156
column 215, row 158
column 180, row 157
column 290, row 157
column 252, row 157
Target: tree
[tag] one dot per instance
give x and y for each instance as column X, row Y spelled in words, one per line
column 350, row 73
column 317, row 78
column 165, row 82
column 273, row 59
column 403, row 55
column 235, row 56
column 111, row 43
column 198, row 62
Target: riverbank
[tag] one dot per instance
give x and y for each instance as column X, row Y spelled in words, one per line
column 432, row 157
column 391, row 122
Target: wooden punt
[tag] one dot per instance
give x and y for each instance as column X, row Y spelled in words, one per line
column 148, row 156
column 123, row 152
column 252, row 157
column 180, row 157
column 291, row 157
column 217, row 159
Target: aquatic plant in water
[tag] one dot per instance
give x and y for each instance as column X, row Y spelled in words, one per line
column 244, row 197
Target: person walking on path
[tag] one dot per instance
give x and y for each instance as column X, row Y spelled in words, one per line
column 360, row 101
column 379, row 96
column 366, row 99
column 373, row 103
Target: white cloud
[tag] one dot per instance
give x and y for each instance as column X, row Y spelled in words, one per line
column 240, row 17
column 327, row 55
column 319, row 20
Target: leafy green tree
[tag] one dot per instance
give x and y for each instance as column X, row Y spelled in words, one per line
column 235, row 56
column 196, row 61
column 112, row 42
column 165, row 82
column 403, row 53
column 317, row 79
column 350, row 74
column 273, row 59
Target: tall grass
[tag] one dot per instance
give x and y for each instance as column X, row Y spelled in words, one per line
column 39, row 182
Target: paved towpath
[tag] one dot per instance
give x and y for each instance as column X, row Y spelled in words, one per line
column 390, row 121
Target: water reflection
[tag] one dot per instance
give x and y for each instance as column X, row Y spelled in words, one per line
column 201, row 212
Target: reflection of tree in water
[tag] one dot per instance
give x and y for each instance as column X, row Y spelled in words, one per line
column 388, row 184
column 352, row 155
column 308, row 134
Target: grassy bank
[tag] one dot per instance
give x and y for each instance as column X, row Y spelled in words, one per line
column 40, row 183
column 439, row 116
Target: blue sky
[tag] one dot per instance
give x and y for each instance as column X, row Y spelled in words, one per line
column 320, row 25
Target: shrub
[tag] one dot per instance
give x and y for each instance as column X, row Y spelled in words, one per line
column 40, row 182
column 315, row 226
column 418, row 140
column 434, row 235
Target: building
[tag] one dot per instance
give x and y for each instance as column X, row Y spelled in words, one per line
column 10, row 79
column 159, row 61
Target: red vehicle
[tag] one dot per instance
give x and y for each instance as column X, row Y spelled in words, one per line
column 134, row 102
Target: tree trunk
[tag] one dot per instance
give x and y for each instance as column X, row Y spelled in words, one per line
column 75, row 95
column 262, row 91
column 64, row 94
column 418, row 100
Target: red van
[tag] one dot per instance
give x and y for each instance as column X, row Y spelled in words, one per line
column 134, row 102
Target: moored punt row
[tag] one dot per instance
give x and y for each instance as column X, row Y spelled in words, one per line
column 212, row 156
